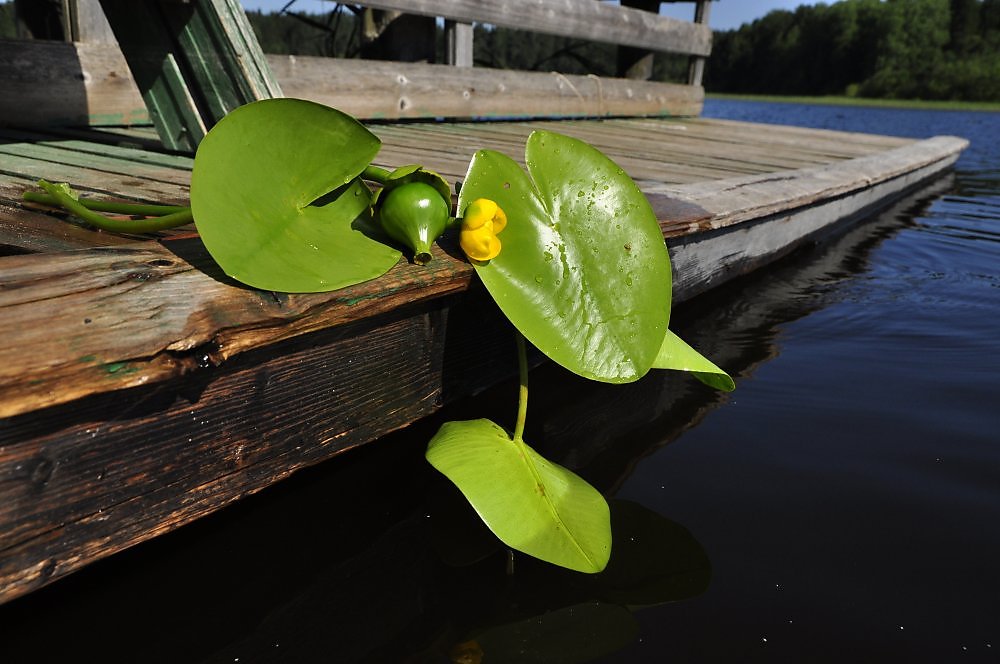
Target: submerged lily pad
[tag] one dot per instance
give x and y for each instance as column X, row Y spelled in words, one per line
column 532, row 504
column 583, row 271
column 278, row 201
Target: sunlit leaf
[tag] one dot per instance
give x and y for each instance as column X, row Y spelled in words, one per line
column 531, row 504
column 583, row 272
column 277, row 199
column 676, row 354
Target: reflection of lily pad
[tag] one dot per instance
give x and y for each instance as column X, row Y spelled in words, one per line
column 583, row 273
column 278, row 202
column 655, row 560
column 569, row 635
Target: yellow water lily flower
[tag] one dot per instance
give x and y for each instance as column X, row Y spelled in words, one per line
column 482, row 221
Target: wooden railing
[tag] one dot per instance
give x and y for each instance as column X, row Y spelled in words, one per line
column 195, row 61
column 577, row 19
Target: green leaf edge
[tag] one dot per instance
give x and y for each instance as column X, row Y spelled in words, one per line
column 677, row 355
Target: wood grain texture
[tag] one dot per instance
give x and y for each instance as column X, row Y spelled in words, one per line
column 396, row 90
column 91, row 83
column 116, row 469
column 578, row 19
column 53, row 83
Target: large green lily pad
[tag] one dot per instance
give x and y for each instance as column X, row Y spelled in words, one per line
column 583, row 272
column 278, row 201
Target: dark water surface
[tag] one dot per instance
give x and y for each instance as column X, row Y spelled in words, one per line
column 842, row 505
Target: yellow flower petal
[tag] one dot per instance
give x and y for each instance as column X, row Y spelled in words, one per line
column 482, row 221
column 479, row 244
column 499, row 220
column 478, row 213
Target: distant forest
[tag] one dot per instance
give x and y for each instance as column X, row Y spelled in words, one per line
column 900, row 49
column 903, row 49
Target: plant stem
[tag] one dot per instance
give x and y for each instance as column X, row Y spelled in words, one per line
column 141, row 209
column 116, row 225
column 522, row 397
column 376, row 174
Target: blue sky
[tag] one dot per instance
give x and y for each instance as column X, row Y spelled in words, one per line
column 725, row 15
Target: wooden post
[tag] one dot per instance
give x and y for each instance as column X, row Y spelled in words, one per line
column 395, row 35
column 87, row 23
column 458, row 46
column 636, row 63
column 696, row 68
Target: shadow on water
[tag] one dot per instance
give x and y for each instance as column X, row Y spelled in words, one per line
column 374, row 557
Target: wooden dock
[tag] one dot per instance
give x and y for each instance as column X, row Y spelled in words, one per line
column 141, row 388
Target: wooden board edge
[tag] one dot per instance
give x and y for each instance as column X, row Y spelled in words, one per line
column 705, row 260
column 735, row 200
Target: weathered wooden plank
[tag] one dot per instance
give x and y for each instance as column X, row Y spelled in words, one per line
column 578, row 19
column 87, row 22
column 118, row 469
column 125, row 155
column 89, row 179
column 52, row 83
column 696, row 68
column 458, row 44
column 756, row 197
column 393, row 90
column 91, row 83
column 188, row 306
column 26, row 231
column 58, row 156
column 704, row 260
column 128, row 316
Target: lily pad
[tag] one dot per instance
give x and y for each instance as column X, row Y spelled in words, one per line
column 277, row 199
column 531, row 504
column 583, row 271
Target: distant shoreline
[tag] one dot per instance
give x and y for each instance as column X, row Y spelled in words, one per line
column 985, row 106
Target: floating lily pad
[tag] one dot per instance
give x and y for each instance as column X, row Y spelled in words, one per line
column 278, row 202
column 583, row 272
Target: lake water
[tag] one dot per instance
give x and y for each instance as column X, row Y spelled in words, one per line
column 842, row 505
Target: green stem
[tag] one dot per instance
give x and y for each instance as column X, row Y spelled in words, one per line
column 141, row 209
column 522, row 397
column 376, row 174
column 116, row 225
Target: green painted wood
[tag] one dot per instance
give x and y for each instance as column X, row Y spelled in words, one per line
column 193, row 62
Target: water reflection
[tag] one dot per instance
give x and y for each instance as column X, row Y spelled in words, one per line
column 374, row 557
column 396, row 602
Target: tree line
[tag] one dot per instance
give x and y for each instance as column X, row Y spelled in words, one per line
column 898, row 49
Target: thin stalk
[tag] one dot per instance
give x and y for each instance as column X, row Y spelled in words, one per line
column 116, row 225
column 140, row 209
column 522, row 397
column 376, row 174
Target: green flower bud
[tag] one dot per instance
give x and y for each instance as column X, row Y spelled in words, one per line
column 414, row 214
